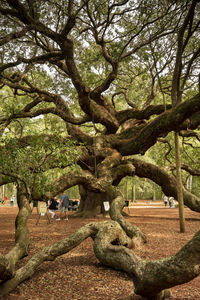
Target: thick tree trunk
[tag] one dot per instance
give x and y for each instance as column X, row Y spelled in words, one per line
column 91, row 204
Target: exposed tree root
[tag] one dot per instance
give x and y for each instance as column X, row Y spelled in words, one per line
column 151, row 278
column 132, row 231
column 111, row 247
column 113, row 241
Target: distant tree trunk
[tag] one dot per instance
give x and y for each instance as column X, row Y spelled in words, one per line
column 154, row 192
column 3, row 192
column 133, row 192
column 126, row 191
column 189, row 183
column 179, row 184
column 14, row 190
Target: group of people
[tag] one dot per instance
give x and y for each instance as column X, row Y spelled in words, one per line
column 170, row 200
column 62, row 205
column 58, row 206
column 5, row 199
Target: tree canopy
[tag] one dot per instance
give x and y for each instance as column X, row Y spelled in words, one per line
column 98, row 85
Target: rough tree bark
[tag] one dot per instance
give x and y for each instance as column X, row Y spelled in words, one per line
column 111, row 247
column 57, row 43
column 115, row 237
column 165, row 181
column 151, row 278
column 22, row 241
column 179, row 183
column 91, row 203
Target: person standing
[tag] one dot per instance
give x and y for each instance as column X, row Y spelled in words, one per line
column 64, row 204
column 35, row 204
column 12, row 200
column 170, row 201
column 165, row 200
column 53, row 206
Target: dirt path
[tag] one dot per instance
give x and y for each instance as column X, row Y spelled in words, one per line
column 78, row 275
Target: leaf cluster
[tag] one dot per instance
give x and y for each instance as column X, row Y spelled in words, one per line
column 34, row 156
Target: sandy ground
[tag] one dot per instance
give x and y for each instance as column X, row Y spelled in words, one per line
column 78, row 275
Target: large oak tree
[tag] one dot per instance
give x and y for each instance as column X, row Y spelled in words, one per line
column 120, row 75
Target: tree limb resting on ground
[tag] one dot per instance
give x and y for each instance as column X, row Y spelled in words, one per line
column 111, row 244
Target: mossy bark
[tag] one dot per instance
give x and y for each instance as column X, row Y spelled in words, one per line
column 111, row 246
column 22, row 241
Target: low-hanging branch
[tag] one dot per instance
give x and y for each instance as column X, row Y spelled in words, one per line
column 22, row 240
column 111, row 247
column 165, row 181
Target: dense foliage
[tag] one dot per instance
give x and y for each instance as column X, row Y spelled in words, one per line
column 100, row 86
